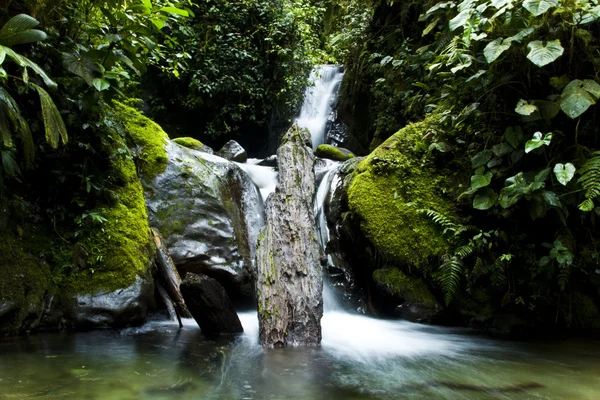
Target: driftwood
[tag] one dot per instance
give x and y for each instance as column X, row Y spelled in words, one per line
column 169, row 303
column 169, row 275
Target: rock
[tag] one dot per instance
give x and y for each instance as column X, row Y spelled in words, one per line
column 289, row 281
column 387, row 192
column 333, row 153
column 118, row 308
column 209, row 212
column 210, row 305
column 270, row 161
column 406, row 296
column 193, row 144
column 232, row 151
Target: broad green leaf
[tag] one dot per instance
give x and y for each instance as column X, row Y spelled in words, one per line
column 502, row 149
column 552, row 198
column 28, row 36
column 485, row 199
column 592, row 87
column 476, row 75
column 460, row 20
column 158, row 22
column 11, row 110
column 514, row 136
column 575, row 100
column 521, row 35
column 538, row 141
column 25, row 62
column 542, row 55
column 525, row 108
column 101, row 84
column 53, row 122
column 9, row 164
column 481, row 158
column 548, row 109
column 538, row 7
column 494, row 49
column 479, row 181
column 564, row 173
column 175, row 11
column 17, row 24
column 559, row 82
column 515, row 188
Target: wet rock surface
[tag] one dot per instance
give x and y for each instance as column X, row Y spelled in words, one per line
column 209, row 212
column 233, row 151
column 289, row 282
column 210, row 305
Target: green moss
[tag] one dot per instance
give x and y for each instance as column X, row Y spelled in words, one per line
column 409, row 288
column 190, row 143
column 148, row 136
column 121, row 248
column 386, row 192
column 25, row 278
column 333, row 153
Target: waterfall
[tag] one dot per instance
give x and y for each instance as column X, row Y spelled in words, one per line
column 318, row 98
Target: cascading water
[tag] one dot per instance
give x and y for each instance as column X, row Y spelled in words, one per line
column 318, row 99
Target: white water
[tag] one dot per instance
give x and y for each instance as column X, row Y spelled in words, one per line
column 318, row 99
column 265, row 178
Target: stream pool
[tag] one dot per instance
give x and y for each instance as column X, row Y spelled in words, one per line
column 360, row 358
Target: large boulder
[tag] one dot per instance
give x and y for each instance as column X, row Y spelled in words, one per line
column 289, row 281
column 210, row 305
column 233, row 151
column 209, row 212
column 193, row 144
column 405, row 296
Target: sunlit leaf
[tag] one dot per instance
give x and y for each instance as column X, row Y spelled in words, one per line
column 542, row 55
column 538, row 141
column 564, row 173
column 538, row 7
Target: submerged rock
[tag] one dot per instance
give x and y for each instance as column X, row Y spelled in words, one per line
column 193, row 144
column 233, row 151
column 289, row 282
column 210, row 305
column 399, row 294
column 209, row 212
column 333, row 153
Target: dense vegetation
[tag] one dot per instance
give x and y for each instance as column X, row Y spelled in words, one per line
column 506, row 89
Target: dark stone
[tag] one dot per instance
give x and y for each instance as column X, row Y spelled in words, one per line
column 289, row 273
column 210, row 305
column 232, row 151
column 270, row 161
column 209, row 212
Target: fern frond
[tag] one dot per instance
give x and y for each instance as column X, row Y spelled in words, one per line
column 590, row 181
column 498, row 277
column 465, row 251
column 449, row 276
column 563, row 277
column 53, row 122
column 11, row 109
column 479, row 269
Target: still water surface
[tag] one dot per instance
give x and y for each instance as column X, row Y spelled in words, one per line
column 361, row 358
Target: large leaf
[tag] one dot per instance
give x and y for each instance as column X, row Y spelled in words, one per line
column 481, row 158
column 12, row 111
column 538, row 141
column 28, row 36
column 494, row 49
column 538, row 7
column 514, row 136
column 479, row 180
column 175, row 11
column 80, row 66
column 25, row 62
column 575, row 99
column 485, row 199
column 53, row 122
column 460, row 20
column 542, row 55
column 17, row 24
column 564, row 173
column 9, row 164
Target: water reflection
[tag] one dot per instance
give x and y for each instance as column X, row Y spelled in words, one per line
column 360, row 358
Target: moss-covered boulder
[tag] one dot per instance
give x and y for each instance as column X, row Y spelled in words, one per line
column 193, row 144
column 387, row 194
column 405, row 296
column 25, row 280
column 333, row 153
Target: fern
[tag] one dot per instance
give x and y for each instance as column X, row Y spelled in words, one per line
column 449, row 275
column 563, row 277
column 445, row 222
column 590, row 181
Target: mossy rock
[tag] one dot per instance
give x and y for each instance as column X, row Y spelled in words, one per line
column 121, row 248
column 146, row 136
column 25, row 281
column 193, row 144
column 333, row 153
column 388, row 192
column 403, row 287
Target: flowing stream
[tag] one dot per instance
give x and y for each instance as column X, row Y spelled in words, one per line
column 360, row 357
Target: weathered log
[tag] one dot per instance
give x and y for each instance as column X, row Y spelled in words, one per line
column 210, row 305
column 173, row 314
column 289, row 275
column 169, row 275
